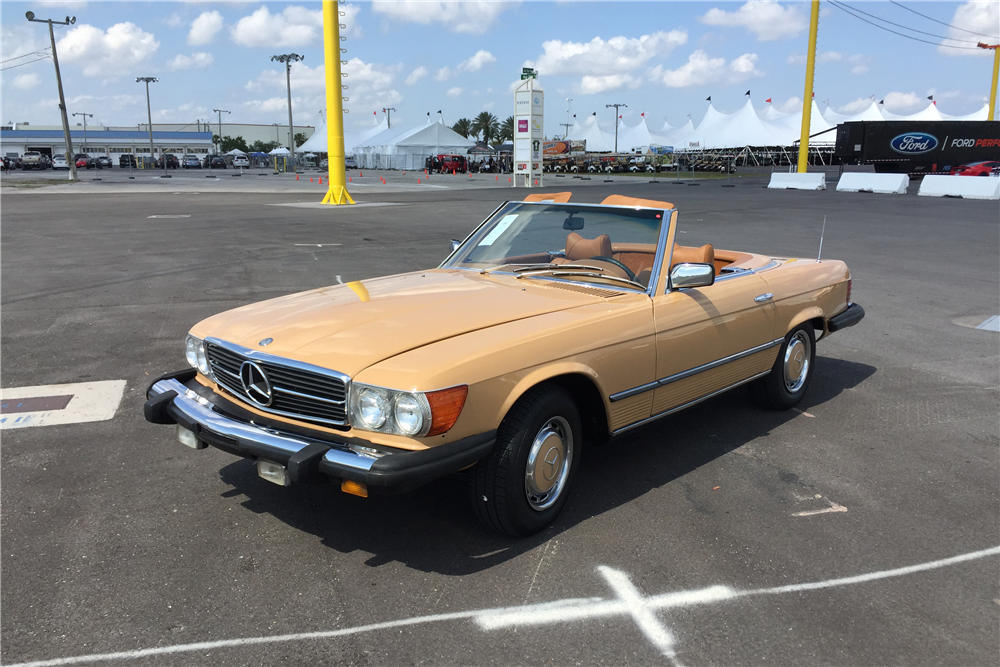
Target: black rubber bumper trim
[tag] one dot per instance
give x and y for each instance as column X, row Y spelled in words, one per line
column 183, row 377
column 850, row 316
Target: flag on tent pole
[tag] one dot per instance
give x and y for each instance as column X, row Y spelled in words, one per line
column 643, row 114
column 747, row 93
column 881, row 101
column 708, row 99
column 767, row 101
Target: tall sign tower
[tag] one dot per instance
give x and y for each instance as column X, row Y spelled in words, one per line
column 529, row 104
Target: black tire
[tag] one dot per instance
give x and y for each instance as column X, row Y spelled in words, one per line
column 792, row 371
column 545, row 420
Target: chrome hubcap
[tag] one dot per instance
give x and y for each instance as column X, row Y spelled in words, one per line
column 549, row 461
column 797, row 361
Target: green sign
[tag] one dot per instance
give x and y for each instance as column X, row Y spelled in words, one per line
column 527, row 75
column 527, row 70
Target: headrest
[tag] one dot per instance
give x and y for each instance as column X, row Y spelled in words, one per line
column 621, row 200
column 684, row 254
column 555, row 197
column 578, row 247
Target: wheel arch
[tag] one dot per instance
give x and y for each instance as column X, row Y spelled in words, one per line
column 814, row 315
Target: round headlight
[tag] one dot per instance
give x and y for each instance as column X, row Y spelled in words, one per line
column 409, row 414
column 191, row 346
column 373, row 408
column 203, row 361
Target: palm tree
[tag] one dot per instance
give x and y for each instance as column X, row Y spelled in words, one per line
column 463, row 126
column 486, row 125
column 507, row 129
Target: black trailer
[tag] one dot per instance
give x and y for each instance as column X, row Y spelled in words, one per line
column 916, row 147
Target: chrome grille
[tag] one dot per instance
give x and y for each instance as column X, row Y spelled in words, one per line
column 295, row 392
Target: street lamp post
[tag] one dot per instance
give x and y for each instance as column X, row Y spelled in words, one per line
column 288, row 59
column 608, row 106
column 149, row 115
column 388, row 117
column 220, row 112
column 85, row 115
column 62, row 100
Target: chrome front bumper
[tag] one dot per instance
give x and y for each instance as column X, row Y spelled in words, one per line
column 309, row 457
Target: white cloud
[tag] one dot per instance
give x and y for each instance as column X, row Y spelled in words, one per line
column 598, row 84
column 442, row 74
column 416, row 75
column 110, row 53
column 700, row 70
column 204, row 28
column 791, row 105
column 195, row 60
column 903, row 102
column 476, row 62
column 979, row 17
column 174, row 21
column 488, row 106
column 796, row 59
column 766, row 19
column 470, row 17
column 859, row 69
column 294, row 26
column 829, row 57
column 26, row 81
column 618, row 55
column 454, row 92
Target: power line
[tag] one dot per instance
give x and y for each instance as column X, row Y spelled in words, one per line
column 882, row 27
column 930, row 18
column 4, row 69
column 25, row 55
column 905, row 27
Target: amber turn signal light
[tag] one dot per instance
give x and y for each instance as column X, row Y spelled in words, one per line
column 446, row 406
column 354, row 488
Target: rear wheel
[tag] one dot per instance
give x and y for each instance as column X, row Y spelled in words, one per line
column 523, row 484
column 789, row 378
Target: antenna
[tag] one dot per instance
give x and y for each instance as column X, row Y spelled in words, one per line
column 820, row 253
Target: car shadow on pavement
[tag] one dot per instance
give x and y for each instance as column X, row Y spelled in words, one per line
column 433, row 529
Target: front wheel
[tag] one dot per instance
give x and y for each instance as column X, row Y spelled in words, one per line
column 789, row 378
column 523, row 484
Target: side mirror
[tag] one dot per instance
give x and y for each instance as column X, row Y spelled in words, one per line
column 691, row 275
column 454, row 244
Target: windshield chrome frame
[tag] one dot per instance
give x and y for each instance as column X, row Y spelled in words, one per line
column 658, row 258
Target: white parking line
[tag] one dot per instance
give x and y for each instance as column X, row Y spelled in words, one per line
column 630, row 603
column 22, row 407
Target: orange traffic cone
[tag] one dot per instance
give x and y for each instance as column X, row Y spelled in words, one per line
column 404, row 173
column 361, row 173
column 311, row 180
column 296, row 177
column 418, row 181
column 321, row 180
column 508, row 180
column 470, row 174
column 454, row 171
column 536, row 181
column 498, row 178
column 350, row 179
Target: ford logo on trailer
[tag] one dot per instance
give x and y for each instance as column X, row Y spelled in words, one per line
column 914, row 143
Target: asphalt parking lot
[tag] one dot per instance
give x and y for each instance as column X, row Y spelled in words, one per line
column 862, row 528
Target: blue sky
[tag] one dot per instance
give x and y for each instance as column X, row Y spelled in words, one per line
column 660, row 58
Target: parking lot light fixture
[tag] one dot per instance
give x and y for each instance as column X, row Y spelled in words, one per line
column 220, row 112
column 62, row 99
column 149, row 115
column 288, row 59
column 85, row 116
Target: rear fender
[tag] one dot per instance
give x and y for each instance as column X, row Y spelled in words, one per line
column 815, row 314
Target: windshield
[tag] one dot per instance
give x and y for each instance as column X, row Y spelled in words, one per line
column 571, row 241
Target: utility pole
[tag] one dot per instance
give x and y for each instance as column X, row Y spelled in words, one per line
column 608, row 106
column 388, row 117
column 807, row 97
column 85, row 115
column 149, row 114
column 62, row 100
column 567, row 124
column 288, row 59
column 220, row 112
column 993, row 83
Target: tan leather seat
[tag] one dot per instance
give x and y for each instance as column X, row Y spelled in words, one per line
column 689, row 254
column 554, row 197
column 578, row 248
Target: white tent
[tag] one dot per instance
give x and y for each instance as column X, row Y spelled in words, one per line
column 236, row 151
column 637, row 136
column 317, row 142
column 930, row 112
column 743, row 128
column 674, row 136
column 870, row 112
column 982, row 114
column 280, row 150
column 598, row 141
column 408, row 148
column 788, row 127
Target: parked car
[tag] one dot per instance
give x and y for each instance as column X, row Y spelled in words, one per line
column 349, row 163
column 126, row 160
column 215, row 162
column 84, row 161
column 241, row 161
column 984, row 168
column 59, row 162
column 191, row 162
column 32, row 160
column 552, row 326
column 172, row 161
column 453, row 163
column 104, row 161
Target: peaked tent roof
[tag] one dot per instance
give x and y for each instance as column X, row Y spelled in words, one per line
column 788, row 127
column 635, row 136
column 318, row 141
column 597, row 140
column 674, row 136
column 743, row 128
column 870, row 112
column 930, row 112
column 982, row 114
column 430, row 134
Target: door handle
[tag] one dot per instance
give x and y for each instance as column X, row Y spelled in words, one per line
column 763, row 297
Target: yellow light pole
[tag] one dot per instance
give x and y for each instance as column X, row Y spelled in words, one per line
column 807, row 98
column 996, row 75
column 337, row 192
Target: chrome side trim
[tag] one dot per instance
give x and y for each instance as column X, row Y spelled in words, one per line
column 688, row 404
column 200, row 410
column 662, row 382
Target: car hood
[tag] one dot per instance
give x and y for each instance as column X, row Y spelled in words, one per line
column 352, row 326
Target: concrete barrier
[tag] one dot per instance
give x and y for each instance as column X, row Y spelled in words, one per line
column 967, row 187
column 780, row 181
column 884, row 184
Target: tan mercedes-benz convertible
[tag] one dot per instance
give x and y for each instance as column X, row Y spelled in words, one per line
column 553, row 325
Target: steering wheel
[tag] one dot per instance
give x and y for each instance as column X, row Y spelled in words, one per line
column 612, row 260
